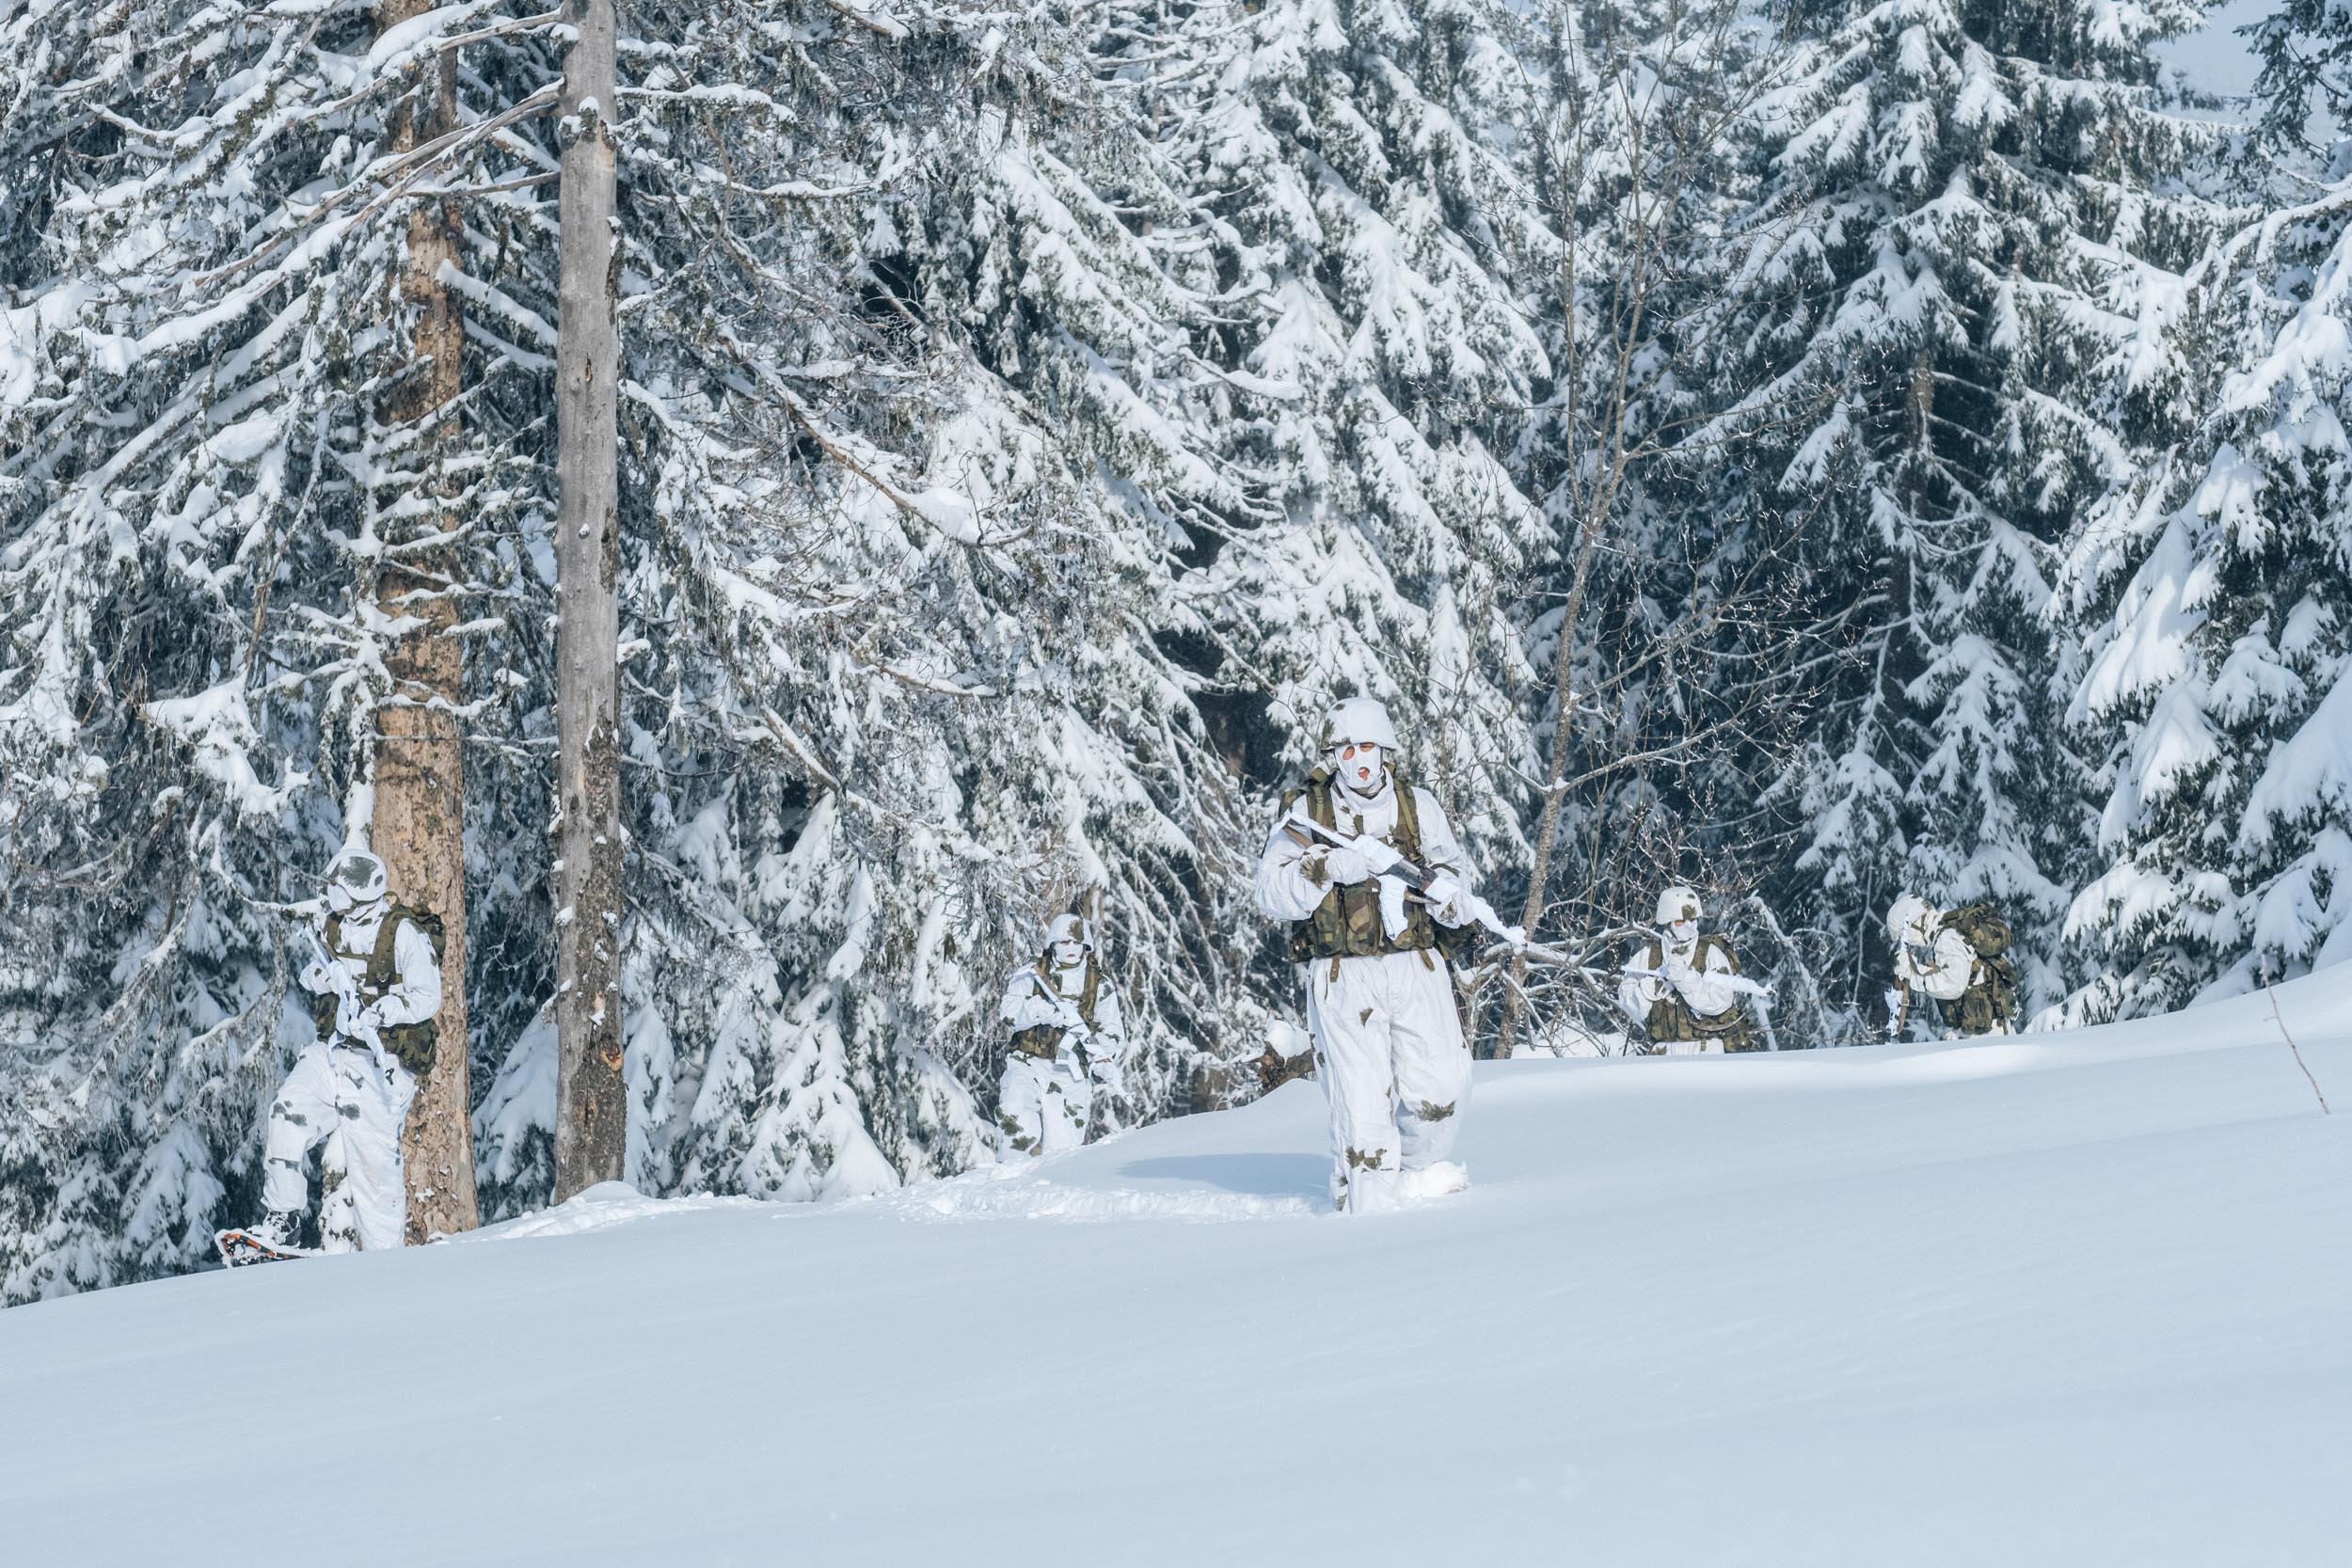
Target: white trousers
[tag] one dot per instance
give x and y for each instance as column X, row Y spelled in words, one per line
column 1043, row 1104
column 337, row 1096
column 1694, row 1048
column 1394, row 1067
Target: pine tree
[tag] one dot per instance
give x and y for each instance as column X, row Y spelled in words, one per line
column 2211, row 599
column 1963, row 213
column 1359, row 199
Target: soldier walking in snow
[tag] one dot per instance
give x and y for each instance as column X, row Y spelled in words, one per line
column 1067, row 1036
column 1684, row 989
column 1960, row 958
column 1388, row 1042
column 375, row 983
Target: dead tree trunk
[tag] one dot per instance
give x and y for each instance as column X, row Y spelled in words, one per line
column 591, row 1094
column 420, row 759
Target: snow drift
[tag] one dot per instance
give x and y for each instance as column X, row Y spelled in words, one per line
column 2075, row 1298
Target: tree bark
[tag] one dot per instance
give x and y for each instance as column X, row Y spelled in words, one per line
column 419, row 817
column 591, row 1122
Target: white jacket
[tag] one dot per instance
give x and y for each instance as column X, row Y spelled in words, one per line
column 1286, row 893
column 1038, row 996
column 1946, row 971
column 1702, row 985
column 415, row 994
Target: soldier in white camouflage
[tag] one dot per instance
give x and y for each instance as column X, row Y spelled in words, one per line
column 1067, row 1038
column 375, row 985
column 1373, row 953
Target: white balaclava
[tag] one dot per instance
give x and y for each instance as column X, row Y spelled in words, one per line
column 1066, row 941
column 354, row 881
column 1360, row 742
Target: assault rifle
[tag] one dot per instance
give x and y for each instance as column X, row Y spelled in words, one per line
column 1313, row 835
column 1738, row 983
column 347, row 1022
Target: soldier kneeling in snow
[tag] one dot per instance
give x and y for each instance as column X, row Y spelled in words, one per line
column 1067, row 1038
column 1960, row 958
column 375, row 983
column 1683, row 988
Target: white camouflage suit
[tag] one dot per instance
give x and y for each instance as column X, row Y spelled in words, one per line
column 338, row 1096
column 1044, row 1103
column 1704, row 987
column 1933, row 960
column 1389, row 1046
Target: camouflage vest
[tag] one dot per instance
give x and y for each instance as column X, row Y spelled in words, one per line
column 1671, row 1018
column 411, row 1044
column 1043, row 1040
column 1991, row 1000
column 1346, row 924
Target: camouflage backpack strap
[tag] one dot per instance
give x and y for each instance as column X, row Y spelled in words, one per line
column 1318, row 795
column 1407, row 817
column 414, row 1044
column 1091, row 992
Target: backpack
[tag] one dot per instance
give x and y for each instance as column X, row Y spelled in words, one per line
column 1983, row 926
column 1991, row 999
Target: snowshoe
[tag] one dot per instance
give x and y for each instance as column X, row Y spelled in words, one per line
column 240, row 1247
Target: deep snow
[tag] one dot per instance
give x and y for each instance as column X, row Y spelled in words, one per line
column 2075, row 1298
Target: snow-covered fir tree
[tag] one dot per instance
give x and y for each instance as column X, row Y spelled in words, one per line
column 2212, row 599
column 1963, row 213
column 1357, row 205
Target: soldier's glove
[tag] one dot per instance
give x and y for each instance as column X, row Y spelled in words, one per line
column 1444, row 895
column 350, row 1017
column 316, row 979
column 1344, row 866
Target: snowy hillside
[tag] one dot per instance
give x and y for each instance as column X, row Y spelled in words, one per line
column 2076, row 1299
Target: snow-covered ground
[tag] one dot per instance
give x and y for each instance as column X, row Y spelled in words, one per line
column 2080, row 1299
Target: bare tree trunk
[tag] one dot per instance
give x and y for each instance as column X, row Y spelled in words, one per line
column 420, row 760
column 591, row 1095
column 1556, row 786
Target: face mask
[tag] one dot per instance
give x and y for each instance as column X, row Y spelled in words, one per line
column 1684, row 932
column 1067, row 953
column 1359, row 768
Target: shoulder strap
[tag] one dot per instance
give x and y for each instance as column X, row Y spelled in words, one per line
column 1319, row 804
column 1655, row 955
column 382, row 967
column 1407, row 817
column 1720, row 945
column 1093, row 988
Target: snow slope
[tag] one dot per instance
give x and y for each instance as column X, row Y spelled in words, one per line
column 2081, row 1299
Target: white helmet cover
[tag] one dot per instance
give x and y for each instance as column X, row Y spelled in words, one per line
column 1359, row 719
column 356, row 878
column 1679, row 903
column 1069, row 927
column 1909, row 918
